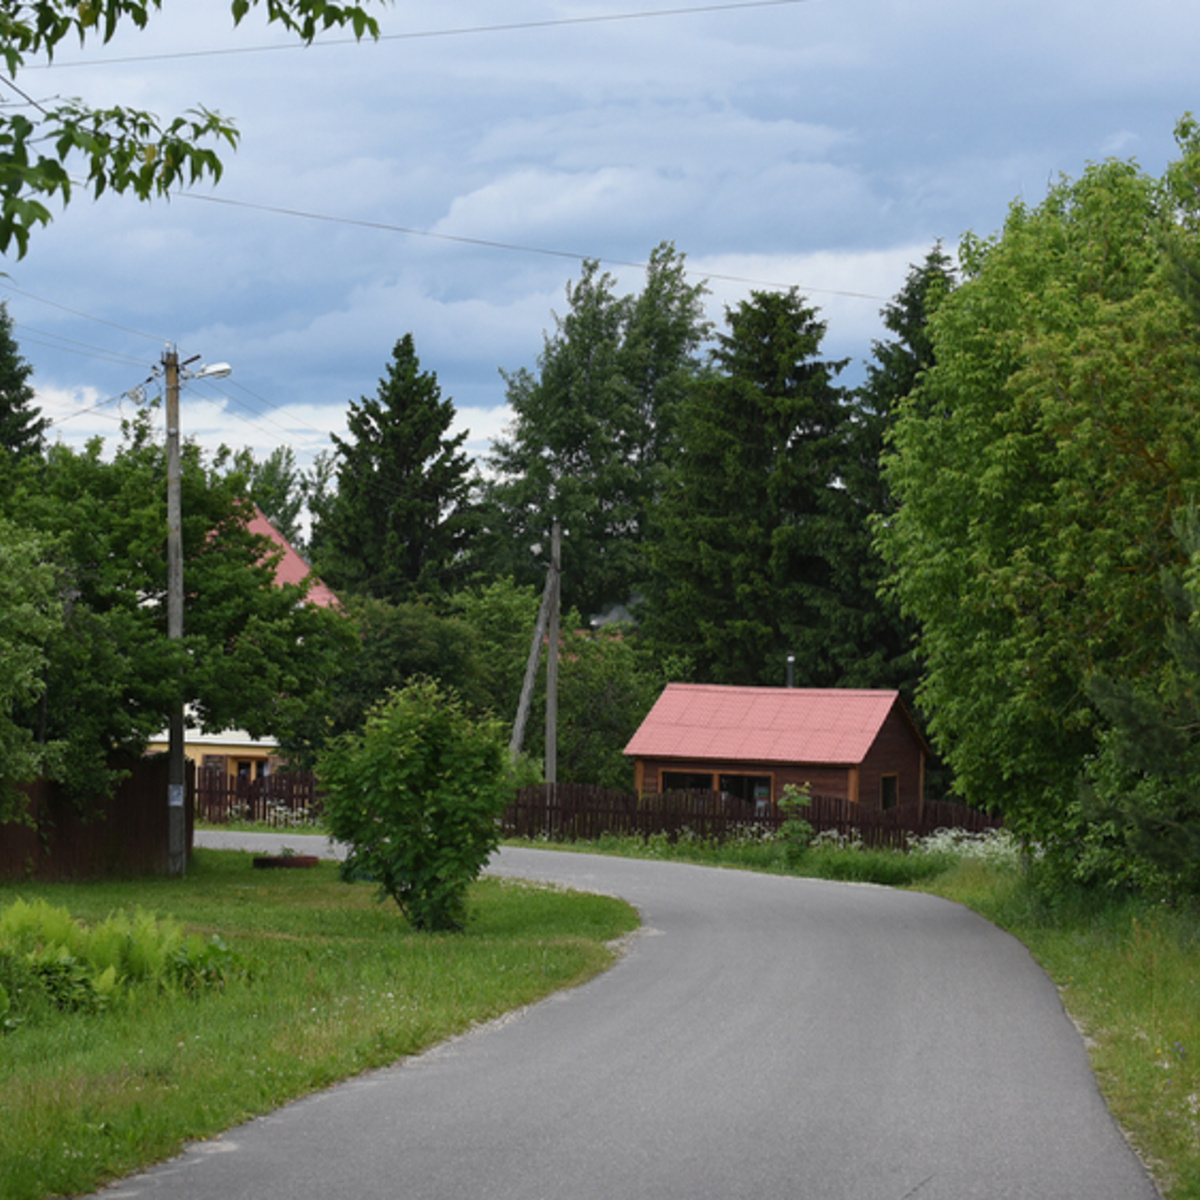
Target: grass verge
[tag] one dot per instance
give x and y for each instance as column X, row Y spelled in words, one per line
column 339, row 984
column 754, row 852
column 1127, row 971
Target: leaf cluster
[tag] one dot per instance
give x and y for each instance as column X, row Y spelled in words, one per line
column 1037, row 467
column 125, row 149
column 252, row 655
column 416, row 796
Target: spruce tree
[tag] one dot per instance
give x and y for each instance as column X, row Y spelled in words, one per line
column 399, row 522
column 22, row 427
column 873, row 642
column 746, row 530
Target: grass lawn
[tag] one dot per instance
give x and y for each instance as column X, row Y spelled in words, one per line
column 338, row 984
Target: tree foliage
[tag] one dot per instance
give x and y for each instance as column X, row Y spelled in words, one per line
column 387, row 646
column 22, row 427
column 30, row 621
column 742, row 566
column 252, row 654
column 607, row 685
column 399, row 522
column 117, row 148
column 415, row 795
column 591, row 431
column 278, row 487
column 1038, row 466
column 1138, row 819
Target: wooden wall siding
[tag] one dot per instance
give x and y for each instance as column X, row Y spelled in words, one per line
column 895, row 751
column 126, row 837
column 578, row 812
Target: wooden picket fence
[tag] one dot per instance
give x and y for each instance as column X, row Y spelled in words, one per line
column 571, row 812
column 287, row 799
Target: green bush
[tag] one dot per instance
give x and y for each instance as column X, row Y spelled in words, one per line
column 417, row 795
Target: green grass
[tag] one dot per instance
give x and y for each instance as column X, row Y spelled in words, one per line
column 754, row 852
column 339, row 984
column 1128, row 972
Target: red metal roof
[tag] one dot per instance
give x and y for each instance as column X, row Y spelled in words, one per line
column 292, row 568
column 750, row 724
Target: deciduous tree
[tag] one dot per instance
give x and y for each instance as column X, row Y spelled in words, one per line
column 252, row 654
column 30, row 619
column 278, row 488
column 591, row 429
column 1038, row 466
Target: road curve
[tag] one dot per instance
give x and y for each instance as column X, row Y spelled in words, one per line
column 765, row 1037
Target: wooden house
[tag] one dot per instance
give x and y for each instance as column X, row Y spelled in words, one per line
column 750, row 742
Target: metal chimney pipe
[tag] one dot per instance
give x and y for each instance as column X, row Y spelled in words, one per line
column 791, row 670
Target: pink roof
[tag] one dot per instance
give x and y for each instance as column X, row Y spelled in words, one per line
column 752, row 724
column 292, row 568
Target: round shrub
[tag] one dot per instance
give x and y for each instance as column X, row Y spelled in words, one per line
column 416, row 795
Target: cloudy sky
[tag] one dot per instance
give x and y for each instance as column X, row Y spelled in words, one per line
column 447, row 180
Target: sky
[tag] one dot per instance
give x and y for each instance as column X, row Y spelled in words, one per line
column 448, row 179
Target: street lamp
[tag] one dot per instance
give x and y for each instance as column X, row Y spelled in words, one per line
column 173, row 371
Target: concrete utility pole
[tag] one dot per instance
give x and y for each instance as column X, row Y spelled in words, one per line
column 176, row 786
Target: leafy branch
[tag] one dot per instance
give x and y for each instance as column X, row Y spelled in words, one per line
column 126, row 149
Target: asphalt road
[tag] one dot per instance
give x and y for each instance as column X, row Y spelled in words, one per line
column 764, row 1037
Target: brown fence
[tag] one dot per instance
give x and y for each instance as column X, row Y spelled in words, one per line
column 124, row 836
column 286, row 799
column 571, row 812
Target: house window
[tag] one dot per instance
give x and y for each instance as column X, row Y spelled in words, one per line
column 751, row 788
column 686, row 781
column 243, row 772
column 889, row 791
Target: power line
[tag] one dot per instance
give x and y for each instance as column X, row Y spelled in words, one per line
column 80, row 412
column 513, row 247
column 507, row 27
column 71, row 346
column 75, row 312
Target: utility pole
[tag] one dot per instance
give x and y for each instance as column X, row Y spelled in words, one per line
column 176, row 786
column 549, row 605
column 552, row 654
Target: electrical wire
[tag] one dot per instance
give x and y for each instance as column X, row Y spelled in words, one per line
column 506, row 27
column 513, row 247
column 75, row 312
column 69, row 346
column 93, row 409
